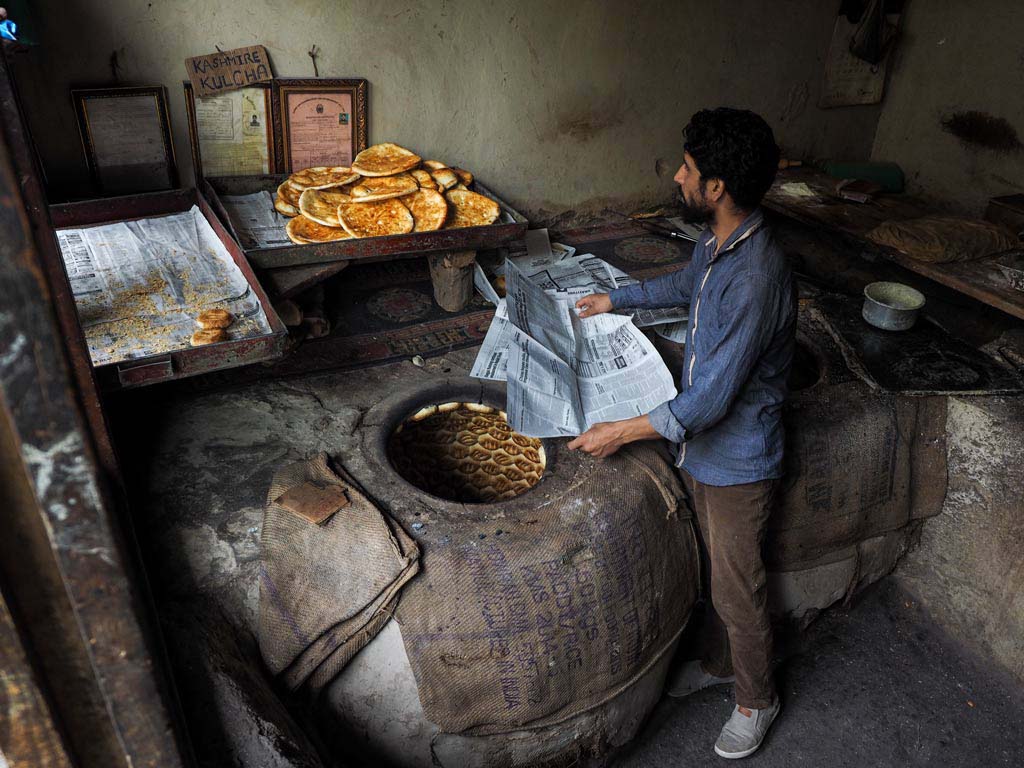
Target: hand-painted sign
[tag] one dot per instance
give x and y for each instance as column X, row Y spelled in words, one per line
column 228, row 70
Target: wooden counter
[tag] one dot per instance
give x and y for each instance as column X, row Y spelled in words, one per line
column 981, row 280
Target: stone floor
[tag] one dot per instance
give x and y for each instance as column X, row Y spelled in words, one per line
column 878, row 684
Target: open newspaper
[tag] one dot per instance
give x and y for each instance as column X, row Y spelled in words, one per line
column 139, row 285
column 554, row 266
column 564, row 373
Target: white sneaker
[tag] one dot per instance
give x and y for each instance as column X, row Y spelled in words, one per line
column 691, row 678
column 742, row 735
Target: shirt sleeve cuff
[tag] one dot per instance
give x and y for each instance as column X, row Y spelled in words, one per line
column 666, row 424
column 624, row 297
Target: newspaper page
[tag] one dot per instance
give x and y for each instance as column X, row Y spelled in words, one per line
column 139, row 285
column 556, row 267
column 565, row 373
column 255, row 221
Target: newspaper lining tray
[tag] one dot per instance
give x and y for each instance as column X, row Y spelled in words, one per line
column 263, row 333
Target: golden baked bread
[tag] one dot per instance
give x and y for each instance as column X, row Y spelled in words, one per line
column 302, row 231
column 382, row 217
column 323, row 176
column 433, row 165
column 460, row 185
column 211, row 319
column 428, row 208
column 468, row 453
column 285, row 208
column 464, row 176
column 289, row 191
column 383, row 188
column 321, row 205
column 384, row 160
column 445, row 178
column 469, row 209
column 423, row 178
column 208, row 336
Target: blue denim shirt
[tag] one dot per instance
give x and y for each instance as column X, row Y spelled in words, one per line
column 727, row 417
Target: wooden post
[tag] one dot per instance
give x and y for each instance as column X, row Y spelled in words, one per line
column 452, row 275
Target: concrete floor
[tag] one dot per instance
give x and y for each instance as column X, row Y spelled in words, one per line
column 878, row 684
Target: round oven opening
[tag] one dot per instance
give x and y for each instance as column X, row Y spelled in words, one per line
column 465, row 452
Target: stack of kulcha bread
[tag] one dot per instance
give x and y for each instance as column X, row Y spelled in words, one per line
column 387, row 191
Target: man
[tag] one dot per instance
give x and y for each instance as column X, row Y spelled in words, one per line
column 8, row 29
column 727, row 418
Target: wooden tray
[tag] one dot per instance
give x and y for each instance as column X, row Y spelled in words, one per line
column 189, row 361
column 362, row 249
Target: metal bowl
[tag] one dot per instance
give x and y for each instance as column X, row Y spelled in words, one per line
column 891, row 306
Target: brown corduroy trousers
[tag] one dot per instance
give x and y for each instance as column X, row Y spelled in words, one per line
column 738, row 632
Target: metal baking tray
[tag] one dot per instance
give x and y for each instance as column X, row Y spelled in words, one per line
column 368, row 248
column 189, row 361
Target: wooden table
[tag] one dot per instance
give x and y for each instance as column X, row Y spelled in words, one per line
column 981, row 280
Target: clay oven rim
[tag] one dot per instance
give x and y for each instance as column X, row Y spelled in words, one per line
column 562, row 467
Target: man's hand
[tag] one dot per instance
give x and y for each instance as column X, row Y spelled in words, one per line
column 594, row 304
column 606, row 437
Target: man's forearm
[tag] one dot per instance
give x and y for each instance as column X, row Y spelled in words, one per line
column 637, row 428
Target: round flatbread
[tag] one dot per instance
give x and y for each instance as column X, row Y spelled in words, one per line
column 470, row 209
column 383, row 217
column 423, row 178
column 208, row 336
column 321, row 205
column 384, row 160
column 214, row 318
column 383, row 188
column 289, row 191
column 303, row 231
column 445, row 178
column 323, row 176
column 433, row 165
column 464, row 176
column 428, row 209
column 284, row 207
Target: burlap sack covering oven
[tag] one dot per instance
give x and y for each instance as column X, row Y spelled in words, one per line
column 561, row 607
column 858, row 464
column 326, row 590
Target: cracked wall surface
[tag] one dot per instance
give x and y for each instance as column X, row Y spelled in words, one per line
column 969, row 568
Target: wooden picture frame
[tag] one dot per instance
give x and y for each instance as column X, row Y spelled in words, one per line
column 126, row 137
column 319, row 121
column 239, row 132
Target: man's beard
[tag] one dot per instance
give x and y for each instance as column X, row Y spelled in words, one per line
column 697, row 212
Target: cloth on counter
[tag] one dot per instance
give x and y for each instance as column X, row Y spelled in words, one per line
column 941, row 239
column 326, row 590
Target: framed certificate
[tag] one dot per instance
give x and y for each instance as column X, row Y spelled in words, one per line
column 126, row 135
column 232, row 133
column 319, row 121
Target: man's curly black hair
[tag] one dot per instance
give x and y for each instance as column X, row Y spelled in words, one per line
column 736, row 146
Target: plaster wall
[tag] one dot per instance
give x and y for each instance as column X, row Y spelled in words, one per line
column 969, row 568
column 956, row 58
column 558, row 107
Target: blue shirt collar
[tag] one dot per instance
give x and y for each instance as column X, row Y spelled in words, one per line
column 743, row 231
